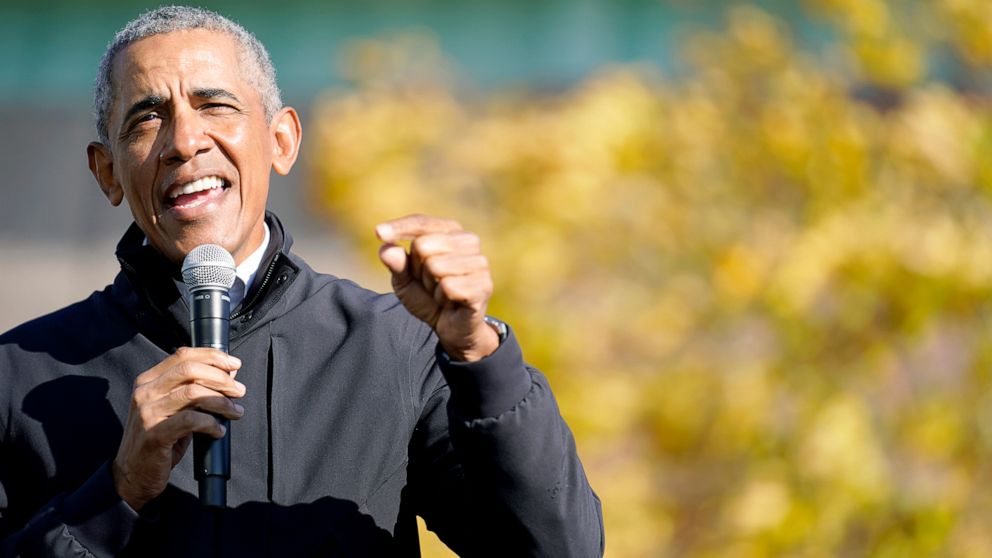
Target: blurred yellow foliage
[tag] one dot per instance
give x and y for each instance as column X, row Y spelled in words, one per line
column 762, row 301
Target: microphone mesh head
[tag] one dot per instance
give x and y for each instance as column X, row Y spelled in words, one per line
column 208, row 265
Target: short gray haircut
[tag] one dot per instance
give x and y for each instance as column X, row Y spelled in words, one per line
column 257, row 66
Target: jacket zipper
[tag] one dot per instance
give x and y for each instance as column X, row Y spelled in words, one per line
column 261, row 288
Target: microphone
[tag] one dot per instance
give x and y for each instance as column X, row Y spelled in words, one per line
column 209, row 273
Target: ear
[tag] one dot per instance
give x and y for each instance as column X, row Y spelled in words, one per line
column 287, row 133
column 102, row 166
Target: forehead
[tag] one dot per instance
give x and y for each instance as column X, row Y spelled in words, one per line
column 193, row 58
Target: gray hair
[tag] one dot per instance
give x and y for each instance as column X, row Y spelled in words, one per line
column 257, row 66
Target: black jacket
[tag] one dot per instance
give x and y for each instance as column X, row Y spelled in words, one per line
column 354, row 424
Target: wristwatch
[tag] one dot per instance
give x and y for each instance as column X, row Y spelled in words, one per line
column 499, row 326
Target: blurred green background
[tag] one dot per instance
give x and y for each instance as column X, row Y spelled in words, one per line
column 750, row 243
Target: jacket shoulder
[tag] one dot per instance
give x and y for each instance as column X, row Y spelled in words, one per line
column 73, row 332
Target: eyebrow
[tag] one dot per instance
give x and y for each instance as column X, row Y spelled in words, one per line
column 215, row 93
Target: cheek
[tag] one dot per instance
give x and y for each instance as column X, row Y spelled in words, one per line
column 251, row 152
column 237, row 135
column 136, row 177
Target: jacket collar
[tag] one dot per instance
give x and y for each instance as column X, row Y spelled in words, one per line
column 163, row 313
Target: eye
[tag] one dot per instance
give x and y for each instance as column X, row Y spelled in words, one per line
column 141, row 123
column 144, row 119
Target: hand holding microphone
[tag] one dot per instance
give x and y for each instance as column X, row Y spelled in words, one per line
column 184, row 394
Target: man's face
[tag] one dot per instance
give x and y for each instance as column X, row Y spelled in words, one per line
column 190, row 145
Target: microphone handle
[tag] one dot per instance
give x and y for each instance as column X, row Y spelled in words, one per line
column 210, row 311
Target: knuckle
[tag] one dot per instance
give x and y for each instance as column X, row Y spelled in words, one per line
column 419, row 244
column 186, row 420
column 187, row 392
column 183, row 352
column 143, row 378
column 185, row 369
column 466, row 242
column 201, row 420
column 433, row 266
column 449, row 285
column 445, row 285
column 146, row 416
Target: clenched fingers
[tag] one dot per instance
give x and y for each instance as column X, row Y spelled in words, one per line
column 201, row 369
column 183, row 423
column 430, row 247
column 189, row 396
column 459, row 242
column 211, row 357
column 472, row 291
column 455, row 264
column 186, row 374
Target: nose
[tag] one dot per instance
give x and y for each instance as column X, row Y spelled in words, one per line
column 185, row 137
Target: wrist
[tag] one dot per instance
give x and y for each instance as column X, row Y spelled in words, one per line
column 490, row 386
column 121, row 485
column 484, row 341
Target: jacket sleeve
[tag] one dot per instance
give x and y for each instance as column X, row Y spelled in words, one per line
column 494, row 469
column 90, row 521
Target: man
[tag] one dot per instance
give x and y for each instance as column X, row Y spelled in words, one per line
column 351, row 412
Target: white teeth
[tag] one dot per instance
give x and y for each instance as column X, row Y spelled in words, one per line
column 205, row 183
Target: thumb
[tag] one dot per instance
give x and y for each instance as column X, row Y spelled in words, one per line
column 395, row 258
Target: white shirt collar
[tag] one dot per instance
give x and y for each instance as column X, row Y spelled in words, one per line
column 247, row 271
column 244, row 273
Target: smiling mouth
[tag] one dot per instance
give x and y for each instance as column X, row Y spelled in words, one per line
column 197, row 192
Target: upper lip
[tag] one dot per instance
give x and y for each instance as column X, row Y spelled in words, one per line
column 172, row 189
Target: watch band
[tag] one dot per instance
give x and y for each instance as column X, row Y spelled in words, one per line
column 499, row 326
